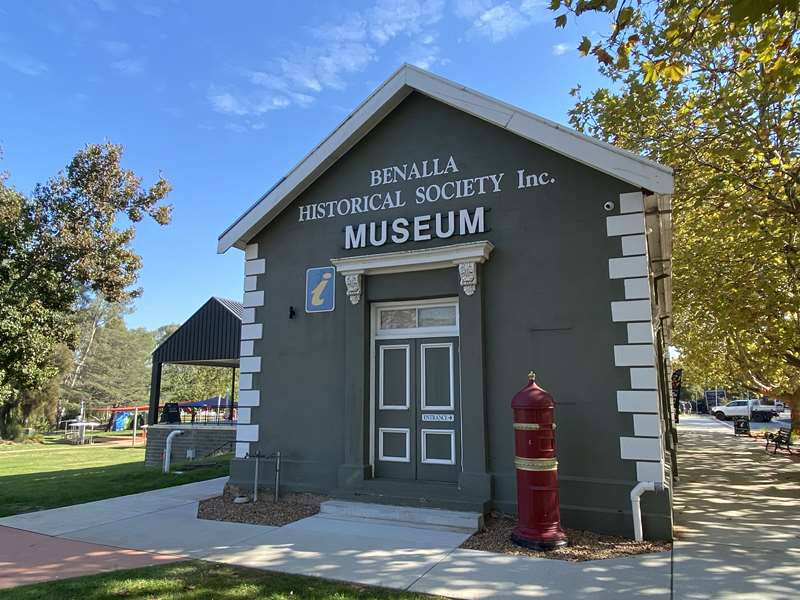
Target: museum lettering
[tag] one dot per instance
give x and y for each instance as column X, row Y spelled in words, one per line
column 419, row 229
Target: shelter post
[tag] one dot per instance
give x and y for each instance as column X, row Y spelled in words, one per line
column 155, row 393
column 233, row 393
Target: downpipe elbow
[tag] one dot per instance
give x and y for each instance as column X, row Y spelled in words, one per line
column 636, row 494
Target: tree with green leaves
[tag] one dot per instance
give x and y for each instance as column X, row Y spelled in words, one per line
column 711, row 89
column 38, row 407
column 61, row 240
column 91, row 314
column 117, row 372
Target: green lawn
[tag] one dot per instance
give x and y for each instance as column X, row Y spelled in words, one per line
column 34, row 476
column 195, row 580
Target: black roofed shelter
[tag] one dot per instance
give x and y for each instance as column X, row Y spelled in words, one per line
column 210, row 338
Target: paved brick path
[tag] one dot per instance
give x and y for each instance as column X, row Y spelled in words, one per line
column 27, row 557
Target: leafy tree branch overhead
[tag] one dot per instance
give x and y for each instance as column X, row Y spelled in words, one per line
column 62, row 240
column 711, row 89
column 681, row 23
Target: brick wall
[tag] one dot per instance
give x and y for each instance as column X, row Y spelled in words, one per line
column 202, row 438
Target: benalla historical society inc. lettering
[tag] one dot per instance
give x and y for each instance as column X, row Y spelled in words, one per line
column 422, row 227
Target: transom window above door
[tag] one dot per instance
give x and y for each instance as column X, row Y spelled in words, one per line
column 438, row 318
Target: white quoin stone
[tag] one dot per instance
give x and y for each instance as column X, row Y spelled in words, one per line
column 634, row 355
column 631, row 202
column 249, row 398
column 250, row 364
column 644, row 379
column 633, row 448
column 649, row 471
column 251, row 252
column 255, row 267
column 637, row 401
column 625, row 224
column 252, row 331
column 242, row 448
column 246, row 381
column 633, row 244
column 253, row 299
column 630, row 310
column 627, row 266
column 637, row 287
column 646, row 425
column 246, row 433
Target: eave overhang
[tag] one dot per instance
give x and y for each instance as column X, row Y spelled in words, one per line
column 621, row 164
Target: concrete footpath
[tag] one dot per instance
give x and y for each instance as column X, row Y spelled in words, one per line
column 737, row 517
column 163, row 524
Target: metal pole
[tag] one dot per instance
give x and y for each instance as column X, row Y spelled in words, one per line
column 135, row 421
column 255, row 482
column 277, row 475
column 82, row 427
column 233, row 393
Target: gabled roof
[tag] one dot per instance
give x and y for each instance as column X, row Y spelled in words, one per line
column 601, row 156
column 209, row 337
column 232, row 305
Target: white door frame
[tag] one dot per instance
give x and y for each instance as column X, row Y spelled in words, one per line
column 417, row 332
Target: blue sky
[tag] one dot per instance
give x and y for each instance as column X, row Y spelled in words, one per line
column 223, row 98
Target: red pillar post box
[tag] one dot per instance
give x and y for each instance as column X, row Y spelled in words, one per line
column 539, row 524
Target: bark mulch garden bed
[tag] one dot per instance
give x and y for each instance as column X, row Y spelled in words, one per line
column 583, row 545
column 289, row 508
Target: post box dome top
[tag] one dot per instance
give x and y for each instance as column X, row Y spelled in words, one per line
column 532, row 396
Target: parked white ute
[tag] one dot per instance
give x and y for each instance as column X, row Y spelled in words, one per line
column 755, row 410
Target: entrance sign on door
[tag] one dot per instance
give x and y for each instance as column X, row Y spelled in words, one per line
column 320, row 289
column 437, row 417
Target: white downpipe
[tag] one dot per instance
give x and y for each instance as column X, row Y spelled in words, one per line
column 636, row 493
column 168, row 449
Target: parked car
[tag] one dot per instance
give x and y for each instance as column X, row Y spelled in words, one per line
column 756, row 410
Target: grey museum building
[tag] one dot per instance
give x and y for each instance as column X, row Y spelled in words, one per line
column 402, row 280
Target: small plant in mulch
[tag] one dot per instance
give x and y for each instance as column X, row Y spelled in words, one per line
column 583, row 545
column 289, row 508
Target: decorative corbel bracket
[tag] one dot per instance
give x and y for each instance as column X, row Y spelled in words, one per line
column 468, row 276
column 352, row 282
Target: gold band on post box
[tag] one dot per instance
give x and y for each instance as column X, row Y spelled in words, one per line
column 526, row 426
column 535, row 464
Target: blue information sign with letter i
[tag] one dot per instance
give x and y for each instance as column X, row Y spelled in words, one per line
column 320, row 289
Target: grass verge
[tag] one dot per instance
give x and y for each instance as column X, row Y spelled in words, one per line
column 195, row 580
column 52, row 474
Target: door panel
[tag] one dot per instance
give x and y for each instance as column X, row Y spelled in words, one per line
column 395, row 455
column 436, row 375
column 394, row 385
column 438, row 419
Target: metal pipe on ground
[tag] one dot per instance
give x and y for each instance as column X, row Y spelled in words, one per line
column 168, row 449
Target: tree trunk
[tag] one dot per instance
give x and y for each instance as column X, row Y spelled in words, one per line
column 795, row 407
column 792, row 399
column 9, row 428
